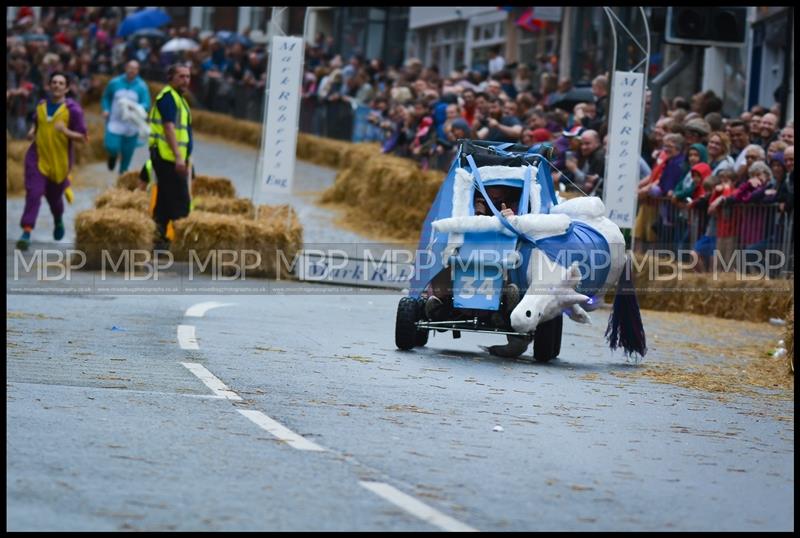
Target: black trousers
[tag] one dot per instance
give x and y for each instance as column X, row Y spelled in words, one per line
column 173, row 199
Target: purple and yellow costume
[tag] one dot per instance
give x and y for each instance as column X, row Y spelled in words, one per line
column 49, row 160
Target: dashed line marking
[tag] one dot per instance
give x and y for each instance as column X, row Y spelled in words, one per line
column 280, row 431
column 186, row 338
column 416, row 508
column 199, row 310
column 211, row 381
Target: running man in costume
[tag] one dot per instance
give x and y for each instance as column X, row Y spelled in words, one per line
column 126, row 90
column 58, row 123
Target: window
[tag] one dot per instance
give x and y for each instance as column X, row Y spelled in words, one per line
column 258, row 18
column 445, row 47
column 208, row 18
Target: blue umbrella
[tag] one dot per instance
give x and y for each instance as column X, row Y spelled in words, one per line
column 147, row 18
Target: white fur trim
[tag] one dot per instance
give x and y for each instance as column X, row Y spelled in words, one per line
column 590, row 207
column 475, row 223
column 538, row 226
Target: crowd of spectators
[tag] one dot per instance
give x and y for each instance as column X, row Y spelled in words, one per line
column 84, row 41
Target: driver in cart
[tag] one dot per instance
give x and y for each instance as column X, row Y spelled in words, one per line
column 439, row 305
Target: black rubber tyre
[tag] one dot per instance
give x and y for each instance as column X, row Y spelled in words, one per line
column 547, row 339
column 421, row 337
column 405, row 329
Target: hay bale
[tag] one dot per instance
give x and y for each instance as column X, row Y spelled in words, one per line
column 129, row 180
column 204, row 232
column 114, row 231
column 124, row 199
column 15, row 164
column 232, row 129
column 221, row 187
column 15, row 177
column 383, row 194
column 225, row 206
column 16, row 149
column 277, row 235
column 95, row 149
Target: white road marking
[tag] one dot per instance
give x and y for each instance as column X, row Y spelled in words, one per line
column 416, row 508
column 186, row 338
column 211, row 381
column 280, row 431
column 199, row 310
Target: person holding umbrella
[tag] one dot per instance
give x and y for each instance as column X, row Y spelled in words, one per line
column 122, row 133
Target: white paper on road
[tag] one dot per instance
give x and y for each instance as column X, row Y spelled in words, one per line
column 283, row 109
column 624, row 146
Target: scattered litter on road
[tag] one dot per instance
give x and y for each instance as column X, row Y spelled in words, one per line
column 115, row 328
column 779, row 353
column 498, row 429
column 777, row 321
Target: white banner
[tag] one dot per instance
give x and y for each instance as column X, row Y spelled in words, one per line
column 624, row 147
column 283, row 108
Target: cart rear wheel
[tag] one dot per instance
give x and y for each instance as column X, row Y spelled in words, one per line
column 547, row 339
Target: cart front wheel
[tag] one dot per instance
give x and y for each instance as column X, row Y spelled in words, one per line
column 547, row 339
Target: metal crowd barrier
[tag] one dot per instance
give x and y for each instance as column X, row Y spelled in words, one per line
column 738, row 228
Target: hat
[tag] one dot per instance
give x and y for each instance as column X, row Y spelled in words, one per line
column 698, row 125
column 575, row 130
column 541, row 135
column 460, row 123
column 703, row 169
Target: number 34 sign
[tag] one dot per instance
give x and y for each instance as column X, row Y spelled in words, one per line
column 477, row 288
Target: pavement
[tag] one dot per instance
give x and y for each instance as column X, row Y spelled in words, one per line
column 285, row 406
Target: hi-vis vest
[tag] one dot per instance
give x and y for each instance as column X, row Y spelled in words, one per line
column 157, row 137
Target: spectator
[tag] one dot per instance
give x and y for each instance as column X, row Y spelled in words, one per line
column 706, row 244
column 600, row 92
column 775, row 147
column 586, row 171
column 695, row 154
column 787, row 135
column 496, row 61
column 740, row 137
column 755, row 128
column 723, row 216
column 522, row 79
column 750, row 155
column 470, row 105
column 502, row 125
column 767, row 130
column 718, row 152
column 696, row 131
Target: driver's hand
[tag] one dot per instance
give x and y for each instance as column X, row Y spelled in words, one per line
column 506, row 211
